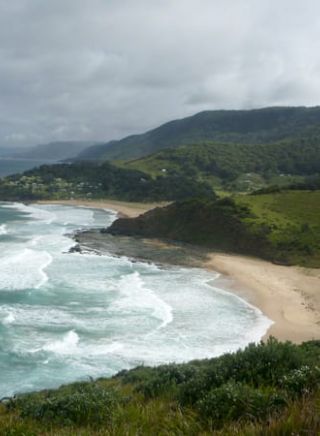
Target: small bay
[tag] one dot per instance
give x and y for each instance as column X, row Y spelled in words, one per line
column 69, row 316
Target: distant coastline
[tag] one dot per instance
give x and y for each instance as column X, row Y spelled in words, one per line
column 289, row 296
column 12, row 165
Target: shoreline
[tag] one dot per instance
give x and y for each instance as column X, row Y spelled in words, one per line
column 123, row 208
column 288, row 295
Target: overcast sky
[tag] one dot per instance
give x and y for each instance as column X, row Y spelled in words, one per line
column 103, row 69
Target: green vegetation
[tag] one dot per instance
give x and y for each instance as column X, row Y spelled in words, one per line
column 266, row 389
column 283, row 227
column 237, row 151
column 237, row 167
column 292, row 220
column 90, row 180
column 261, row 126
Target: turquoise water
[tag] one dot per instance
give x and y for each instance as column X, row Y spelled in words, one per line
column 65, row 317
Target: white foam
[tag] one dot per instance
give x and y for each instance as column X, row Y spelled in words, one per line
column 104, row 349
column 40, row 317
column 67, row 345
column 126, row 312
column 113, row 215
column 55, row 243
column 70, row 215
column 35, row 212
column 263, row 323
column 24, row 270
column 135, row 296
column 3, row 229
column 9, row 319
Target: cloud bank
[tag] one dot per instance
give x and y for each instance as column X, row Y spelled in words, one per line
column 103, row 69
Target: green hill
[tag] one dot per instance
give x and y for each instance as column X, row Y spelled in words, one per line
column 259, row 126
column 283, row 227
column 239, row 166
column 91, row 180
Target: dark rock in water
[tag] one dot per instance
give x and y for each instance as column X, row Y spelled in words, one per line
column 76, row 249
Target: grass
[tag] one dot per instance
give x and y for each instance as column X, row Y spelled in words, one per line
column 293, row 218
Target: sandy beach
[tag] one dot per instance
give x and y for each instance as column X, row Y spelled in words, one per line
column 289, row 296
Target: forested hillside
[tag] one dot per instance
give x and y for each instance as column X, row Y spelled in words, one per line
column 238, row 166
column 259, row 126
column 89, row 180
column 283, row 227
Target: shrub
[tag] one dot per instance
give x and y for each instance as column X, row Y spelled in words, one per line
column 233, row 401
column 301, row 381
column 84, row 404
column 256, row 365
column 265, row 363
column 165, row 378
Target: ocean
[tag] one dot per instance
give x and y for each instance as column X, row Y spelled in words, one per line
column 14, row 166
column 67, row 317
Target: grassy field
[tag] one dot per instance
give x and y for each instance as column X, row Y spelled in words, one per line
column 293, row 222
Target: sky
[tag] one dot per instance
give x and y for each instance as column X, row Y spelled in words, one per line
column 104, row 69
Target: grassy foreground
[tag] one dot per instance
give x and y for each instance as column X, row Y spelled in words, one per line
column 266, row 389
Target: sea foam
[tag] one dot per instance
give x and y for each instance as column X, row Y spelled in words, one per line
column 67, row 345
column 36, row 213
column 9, row 319
column 3, row 229
column 95, row 315
column 135, row 296
column 24, row 270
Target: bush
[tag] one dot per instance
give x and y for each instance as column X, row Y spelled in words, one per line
column 166, row 377
column 82, row 405
column 233, row 401
column 301, row 381
column 265, row 363
column 256, row 365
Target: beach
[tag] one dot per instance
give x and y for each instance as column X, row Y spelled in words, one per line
column 289, row 296
column 123, row 208
column 94, row 312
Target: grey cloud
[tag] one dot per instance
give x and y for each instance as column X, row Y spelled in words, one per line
column 103, row 69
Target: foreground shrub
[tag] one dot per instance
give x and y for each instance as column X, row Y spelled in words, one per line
column 301, row 381
column 166, row 377
column 259, row 365
column 84, row 404
column 233, row 401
